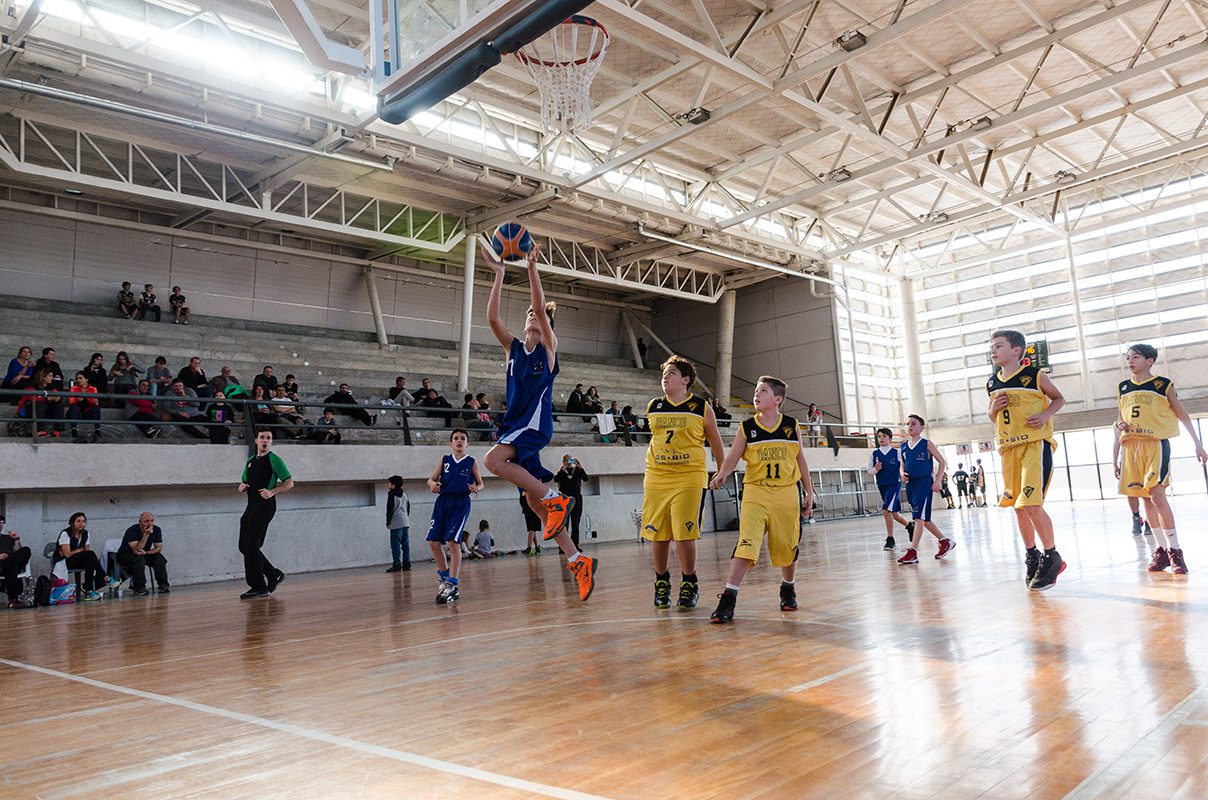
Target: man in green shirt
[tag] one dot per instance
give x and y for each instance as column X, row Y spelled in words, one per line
column 264, row 477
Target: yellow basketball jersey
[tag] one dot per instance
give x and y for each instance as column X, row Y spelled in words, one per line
column 1146, row 408
column 676, row 456
column 1024, row 398
column 771, row 453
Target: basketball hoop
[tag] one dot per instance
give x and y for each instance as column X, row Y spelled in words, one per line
column 563, row 63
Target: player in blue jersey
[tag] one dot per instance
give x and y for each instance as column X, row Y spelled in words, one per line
column 919, row 459
column 528, row 424
column 886, row 465
column 454, row 480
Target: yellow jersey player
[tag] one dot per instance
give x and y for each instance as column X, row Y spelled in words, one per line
column 1022, row 403
column 673, row 489
column 1150, row 413
column 772, row 504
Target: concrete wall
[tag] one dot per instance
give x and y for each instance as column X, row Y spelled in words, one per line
column 55, row 258
column 334, row 518
column 780, row 328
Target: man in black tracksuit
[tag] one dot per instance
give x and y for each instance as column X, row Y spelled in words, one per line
column 264, row 477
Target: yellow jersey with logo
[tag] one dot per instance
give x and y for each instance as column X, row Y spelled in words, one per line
column 1024, row 398
column 1146, row 408
column 676, row 455
column 771, row 453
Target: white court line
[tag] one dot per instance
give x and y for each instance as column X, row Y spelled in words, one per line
column 834, row 676
column 327, row 738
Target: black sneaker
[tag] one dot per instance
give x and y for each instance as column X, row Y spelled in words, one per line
column 910, row 529
column 689, row 593
column 1032, row 562
column 725, row 608
column 662, row 593
column 889, row 543
column 788, row 597
column 164, row 589
column 1051, row 566
column 1138, row 525
column 395, row 568
column 253, row 593
column 275, row 580
column 141, row 593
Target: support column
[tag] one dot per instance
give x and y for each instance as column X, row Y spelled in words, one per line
column 375, row 305
column 467, row 317
column 916, row 397
column 633, row 341
column 725, row 344
column 1088, row 389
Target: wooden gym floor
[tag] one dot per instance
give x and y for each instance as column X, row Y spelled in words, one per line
column 946, row 679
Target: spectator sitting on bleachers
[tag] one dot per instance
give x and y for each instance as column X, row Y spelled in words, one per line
column 126, row 303
column 484, row 402
column 159, row 376
column 592, row 403
column 147, row 304
column 476, row 419
column 73, row 548
column 180, row 405
column 288, row 412
column 220, row 416
column 262, row 411
column 124, row 374
column 21, row 370
column 81, row 406
column 176, row 302
column 142, row 547
column 48, row 410
column 484, row 543
column 291, row 387
column 48, row 360
column 347, row 405
column 194, row 377
column 325, row 431
column 222, row 380
column 721, row 413
column 144, row 410
column 435, row 400
column 98, row 377
column 574, row 403
column 399, row 394
column 627, row 424
column 13, row 560
column 469, row 408
column 420, row 394
column 267, row 380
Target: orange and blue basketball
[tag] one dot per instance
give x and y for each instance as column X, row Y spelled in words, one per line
column 511, row 241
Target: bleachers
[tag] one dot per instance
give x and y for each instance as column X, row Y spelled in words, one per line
column 320, row 359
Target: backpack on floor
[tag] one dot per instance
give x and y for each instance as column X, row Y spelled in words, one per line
column 42, row 591
column 28, row 596
column 62, row 595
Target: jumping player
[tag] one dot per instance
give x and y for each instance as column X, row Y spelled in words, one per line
column 1022, row 403
column 770, row 443
column 528, row 423
column 922, row 464
column 886, row 465
column 673, row 488
column 453, row 480
column 1150, row 413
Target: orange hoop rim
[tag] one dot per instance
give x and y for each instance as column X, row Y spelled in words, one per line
column 577, row 19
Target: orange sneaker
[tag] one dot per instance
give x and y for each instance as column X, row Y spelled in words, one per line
column 557, row 508
column 584, row 570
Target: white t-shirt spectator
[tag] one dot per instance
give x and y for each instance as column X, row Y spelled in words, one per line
column 484, row 543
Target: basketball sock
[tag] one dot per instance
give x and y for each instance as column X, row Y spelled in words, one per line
column 573, row 558
column 663, row 576
column 1160, row 535
column 731, row 588
column 1172, row 538
column 453, row 581
column 443, row 574
column 685, row 577
column 783, row 582
column 1136, row 515
column 549, row 494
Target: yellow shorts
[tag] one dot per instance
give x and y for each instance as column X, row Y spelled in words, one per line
column 1026, row 472
column 775, row 511
column 1144, row 464
column 669, row 514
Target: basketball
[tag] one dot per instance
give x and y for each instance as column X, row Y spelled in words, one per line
column 511, row 241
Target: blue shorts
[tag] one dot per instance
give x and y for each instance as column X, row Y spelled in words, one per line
column 449, row 518
column 891, row 496
column 918, row 492
column 528, row 444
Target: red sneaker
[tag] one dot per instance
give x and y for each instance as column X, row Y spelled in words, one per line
column 911, row 557
column 946, row 547
column 1160, row 560
column 1176, row 561
column 557, row 508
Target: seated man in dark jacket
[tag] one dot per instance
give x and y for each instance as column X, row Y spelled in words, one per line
column 143, row 546
column 435, row 400
column 344, row 403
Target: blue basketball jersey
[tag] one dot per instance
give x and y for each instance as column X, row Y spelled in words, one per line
column 891, row 466
column 456, row 477
column 917, row 459
column 530, row 390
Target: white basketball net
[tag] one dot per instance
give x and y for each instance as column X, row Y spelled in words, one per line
column 563, row 63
